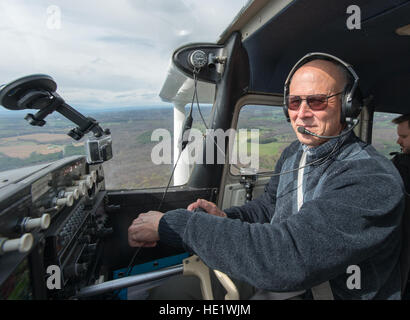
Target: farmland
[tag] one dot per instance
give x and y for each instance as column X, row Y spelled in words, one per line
column 132, row 167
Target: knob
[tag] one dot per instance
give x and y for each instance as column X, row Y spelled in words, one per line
column 65, row 193
column 66, row 201
column 93, row 175
column 81, row 183
column 87, row 180
column 75, row 193
column 43, row 223
column 81, row 188
column 22, row 244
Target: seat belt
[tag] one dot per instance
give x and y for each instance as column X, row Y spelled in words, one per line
column 322, row 291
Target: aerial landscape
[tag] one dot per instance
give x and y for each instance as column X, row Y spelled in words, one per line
column 131, row 167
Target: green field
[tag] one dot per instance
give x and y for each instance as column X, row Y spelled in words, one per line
column 131, row 166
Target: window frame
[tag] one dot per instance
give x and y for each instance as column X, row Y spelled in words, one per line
column 253, row 99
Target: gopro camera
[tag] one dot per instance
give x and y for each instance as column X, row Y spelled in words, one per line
column 98, row 149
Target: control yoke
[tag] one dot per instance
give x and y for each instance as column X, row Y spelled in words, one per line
column 38, row 91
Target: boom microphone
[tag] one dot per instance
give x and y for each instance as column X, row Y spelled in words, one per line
column 306, row 131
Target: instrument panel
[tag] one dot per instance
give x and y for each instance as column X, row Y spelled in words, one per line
column 52, row 219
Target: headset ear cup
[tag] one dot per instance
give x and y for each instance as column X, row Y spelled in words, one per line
column 357, row 103
column 285, row 105
column 345, row 108
column 353, row 108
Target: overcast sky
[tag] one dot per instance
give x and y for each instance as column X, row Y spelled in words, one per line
column 105, row 53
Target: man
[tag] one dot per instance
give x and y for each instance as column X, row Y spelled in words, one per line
column 331, row 204
column 402, row 160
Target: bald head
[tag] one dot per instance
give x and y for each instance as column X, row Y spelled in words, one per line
column 336, row 74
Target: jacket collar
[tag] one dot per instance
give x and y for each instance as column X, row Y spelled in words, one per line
column 326, row 147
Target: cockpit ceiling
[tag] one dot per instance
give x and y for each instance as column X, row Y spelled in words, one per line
column 378, row 54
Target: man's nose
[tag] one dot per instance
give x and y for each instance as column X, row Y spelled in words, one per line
column 304, row 110
column 398, row 141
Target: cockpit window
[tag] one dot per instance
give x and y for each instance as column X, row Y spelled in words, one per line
column 261, row 135
column 384, row 135
column 103, row 58
column 23, row 145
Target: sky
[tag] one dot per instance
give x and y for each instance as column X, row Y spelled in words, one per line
column 105, row 53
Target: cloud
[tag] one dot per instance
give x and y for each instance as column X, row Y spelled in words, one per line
column 90, row 98
column 105, row 53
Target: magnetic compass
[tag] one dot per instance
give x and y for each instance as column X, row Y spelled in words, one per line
column 198, row 59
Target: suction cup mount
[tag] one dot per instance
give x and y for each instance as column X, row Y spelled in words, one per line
column 21, row 93
column 38, row 91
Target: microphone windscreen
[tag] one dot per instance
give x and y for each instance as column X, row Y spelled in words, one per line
column 301, row 129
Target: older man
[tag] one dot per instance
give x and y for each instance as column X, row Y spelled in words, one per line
column 333, row 206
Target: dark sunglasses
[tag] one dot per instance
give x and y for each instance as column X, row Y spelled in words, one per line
column 316, row 102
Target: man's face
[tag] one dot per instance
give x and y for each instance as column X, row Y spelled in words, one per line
column 403, row 131
column 317, row 77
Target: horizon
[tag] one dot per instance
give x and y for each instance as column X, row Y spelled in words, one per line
column 7, row 112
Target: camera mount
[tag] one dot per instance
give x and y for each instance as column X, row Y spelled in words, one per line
column 38, row 91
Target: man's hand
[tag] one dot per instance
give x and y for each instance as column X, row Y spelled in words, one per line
column 207, row 206
column 143, row 232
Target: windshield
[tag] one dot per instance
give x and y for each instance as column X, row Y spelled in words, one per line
column 109, row 60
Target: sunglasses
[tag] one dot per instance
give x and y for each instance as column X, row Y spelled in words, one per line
column 316, row 102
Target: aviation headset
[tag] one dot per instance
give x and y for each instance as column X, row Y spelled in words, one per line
column 351, row 97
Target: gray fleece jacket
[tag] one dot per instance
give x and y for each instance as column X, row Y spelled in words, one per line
column 352, row 209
